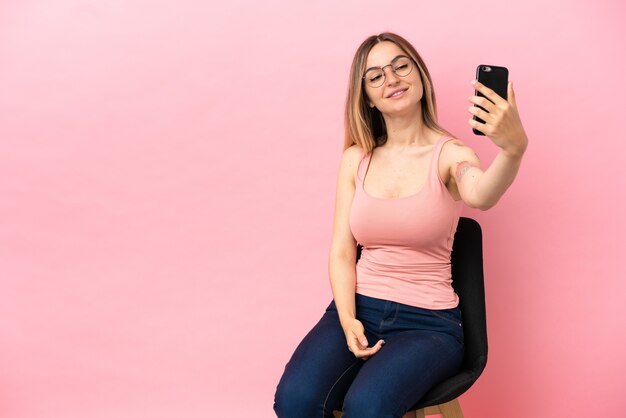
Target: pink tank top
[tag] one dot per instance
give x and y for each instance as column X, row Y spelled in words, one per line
column 406, row 241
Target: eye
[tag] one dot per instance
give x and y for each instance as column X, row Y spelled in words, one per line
column 401, row 67
column 374, row 75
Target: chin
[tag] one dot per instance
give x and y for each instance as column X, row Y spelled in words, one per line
column 403, row 107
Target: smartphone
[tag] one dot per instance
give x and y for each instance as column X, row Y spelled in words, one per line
column 494, row 77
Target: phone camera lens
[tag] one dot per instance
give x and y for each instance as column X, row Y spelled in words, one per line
column 486, row 69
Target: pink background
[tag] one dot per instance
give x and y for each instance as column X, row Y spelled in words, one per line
column 167, row 174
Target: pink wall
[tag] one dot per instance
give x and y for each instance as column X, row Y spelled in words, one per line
column 167, row 175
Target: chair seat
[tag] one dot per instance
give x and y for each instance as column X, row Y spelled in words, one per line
column 449, row 390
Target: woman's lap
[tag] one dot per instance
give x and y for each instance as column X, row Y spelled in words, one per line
column 399, row 375
column 323, row 373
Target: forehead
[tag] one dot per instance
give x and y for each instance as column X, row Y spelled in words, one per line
column 382, row 53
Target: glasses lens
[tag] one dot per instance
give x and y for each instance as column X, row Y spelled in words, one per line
column 375, row 77
column 402, row 66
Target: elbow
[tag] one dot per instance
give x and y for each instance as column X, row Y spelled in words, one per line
column 485, row 207
column 337, row 259
column 346, row 255
column 478, row 199
column 481, row 201
column 482, row 205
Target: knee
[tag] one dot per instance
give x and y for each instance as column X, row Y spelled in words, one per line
column 293, row 400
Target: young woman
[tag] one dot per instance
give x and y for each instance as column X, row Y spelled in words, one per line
column 393, row 329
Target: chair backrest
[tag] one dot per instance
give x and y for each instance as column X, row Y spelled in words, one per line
column 468, row 282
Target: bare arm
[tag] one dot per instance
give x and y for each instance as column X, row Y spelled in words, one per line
column 342, row 258
column 503, row 126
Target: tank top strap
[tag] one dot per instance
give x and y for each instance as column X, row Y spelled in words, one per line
column 362, row 168
column 434, row 164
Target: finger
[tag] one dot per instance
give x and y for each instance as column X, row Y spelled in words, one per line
column 362, row 340
column 511, row 94
column 482, row 102
column 375, row 349
column 365, row 354
column 358, row 352
column 378, row 346
column 477, row 111
column 355, row 349
column 487, row 92
column 355, row 344
column 477, row 125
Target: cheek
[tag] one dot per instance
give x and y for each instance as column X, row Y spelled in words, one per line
column 419, row 87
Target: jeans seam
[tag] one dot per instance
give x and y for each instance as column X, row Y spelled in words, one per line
column 438, row 315
column 384, row 321
column 397, row 312
column 335, row 384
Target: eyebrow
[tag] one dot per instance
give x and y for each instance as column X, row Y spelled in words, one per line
column 395, row 58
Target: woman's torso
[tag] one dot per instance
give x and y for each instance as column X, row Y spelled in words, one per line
column 405, row 218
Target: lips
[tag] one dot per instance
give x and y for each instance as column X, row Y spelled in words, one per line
column 397, row 92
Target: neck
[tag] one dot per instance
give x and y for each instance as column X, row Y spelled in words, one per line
column 408, row 130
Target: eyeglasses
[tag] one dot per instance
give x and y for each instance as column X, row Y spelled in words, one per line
column 376, row 76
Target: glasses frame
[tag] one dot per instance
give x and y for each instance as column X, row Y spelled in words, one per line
column 391, row 64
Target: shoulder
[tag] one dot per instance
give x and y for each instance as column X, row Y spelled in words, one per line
column 354, row 152
column 351, row 157
column 349, row 165
column 455, row 151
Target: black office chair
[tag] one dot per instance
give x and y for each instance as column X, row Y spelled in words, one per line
column 468, row 283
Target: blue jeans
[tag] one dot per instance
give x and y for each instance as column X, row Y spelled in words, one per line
column 422, row 348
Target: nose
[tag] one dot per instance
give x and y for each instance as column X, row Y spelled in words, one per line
column 391, row 77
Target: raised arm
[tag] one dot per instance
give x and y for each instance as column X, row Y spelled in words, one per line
column 342, row 258
column 503, row 126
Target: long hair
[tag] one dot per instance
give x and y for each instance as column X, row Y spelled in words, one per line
column 365, row 126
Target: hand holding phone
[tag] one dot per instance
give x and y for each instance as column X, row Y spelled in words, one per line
column 494, row 77
column 494, row 110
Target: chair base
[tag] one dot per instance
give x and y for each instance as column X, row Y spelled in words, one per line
column 450, row 409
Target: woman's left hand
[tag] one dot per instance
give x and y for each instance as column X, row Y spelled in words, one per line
column 502, row 122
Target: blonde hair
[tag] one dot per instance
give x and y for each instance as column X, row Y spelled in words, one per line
column 365, row 126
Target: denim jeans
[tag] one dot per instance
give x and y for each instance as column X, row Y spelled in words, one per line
column 422, row 347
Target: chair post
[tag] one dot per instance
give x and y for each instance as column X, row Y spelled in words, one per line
column 451, row 409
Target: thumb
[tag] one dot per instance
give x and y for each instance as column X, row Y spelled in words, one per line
column 511, row 93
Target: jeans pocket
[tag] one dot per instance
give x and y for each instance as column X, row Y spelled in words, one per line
column 447, row 315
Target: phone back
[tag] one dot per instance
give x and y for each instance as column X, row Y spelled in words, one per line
column 494, row 77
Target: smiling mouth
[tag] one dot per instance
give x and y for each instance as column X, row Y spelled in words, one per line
column 398, row 93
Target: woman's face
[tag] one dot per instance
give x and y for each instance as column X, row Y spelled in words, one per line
column 397, row 94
